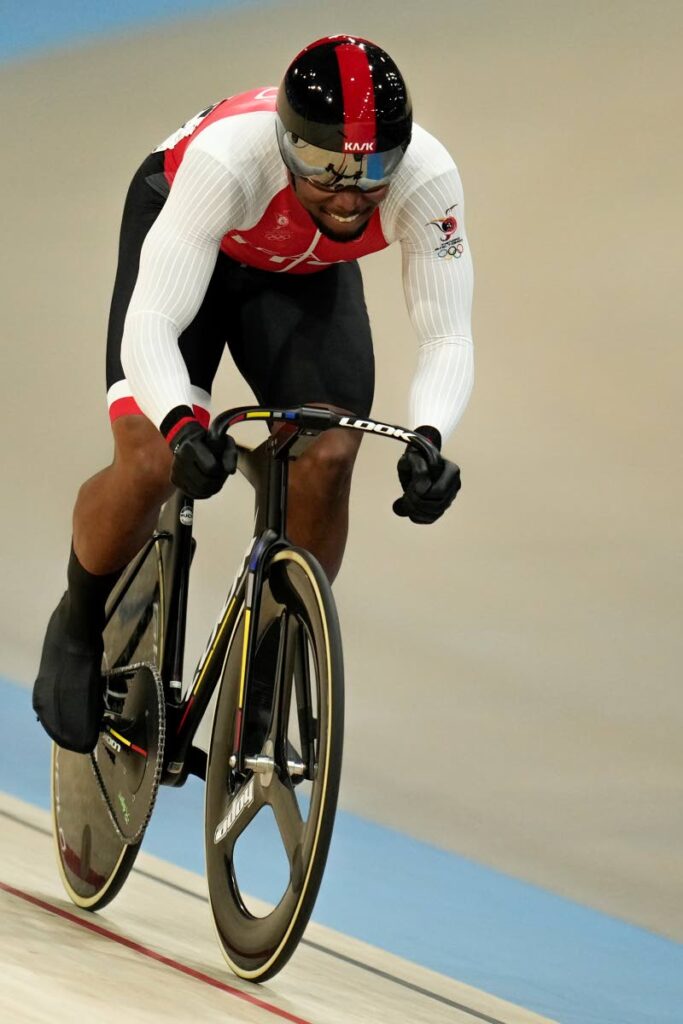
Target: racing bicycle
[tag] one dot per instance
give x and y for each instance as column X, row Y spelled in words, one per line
column 272, row 663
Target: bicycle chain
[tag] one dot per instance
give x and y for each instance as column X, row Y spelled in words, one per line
column 161, row 700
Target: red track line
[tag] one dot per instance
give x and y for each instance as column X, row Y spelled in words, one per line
column 145, row 951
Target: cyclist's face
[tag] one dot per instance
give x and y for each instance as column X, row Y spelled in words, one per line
column 341, row 215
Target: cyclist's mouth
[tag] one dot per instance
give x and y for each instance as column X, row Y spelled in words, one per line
column 348, row 219
column 342, row 227
column 345, row 226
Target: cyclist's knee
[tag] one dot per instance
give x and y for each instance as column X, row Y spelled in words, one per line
column 142, row 457
column 327, row 466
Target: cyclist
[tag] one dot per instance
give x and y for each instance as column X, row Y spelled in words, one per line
column 246, row 226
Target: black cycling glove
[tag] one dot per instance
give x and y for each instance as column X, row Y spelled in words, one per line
column 201, row 465
column 425, row 496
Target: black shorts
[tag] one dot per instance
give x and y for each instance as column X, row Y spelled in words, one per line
column 295, row 338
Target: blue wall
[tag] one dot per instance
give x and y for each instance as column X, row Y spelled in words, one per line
column 42, row 25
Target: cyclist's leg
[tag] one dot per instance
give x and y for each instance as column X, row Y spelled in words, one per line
column 318, row 495
column 306, row 339
column 115, row 513
column 117, row 509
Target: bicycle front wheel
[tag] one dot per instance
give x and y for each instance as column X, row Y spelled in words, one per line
column 292, row 765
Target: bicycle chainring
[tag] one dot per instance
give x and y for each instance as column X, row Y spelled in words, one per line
column 128, row 759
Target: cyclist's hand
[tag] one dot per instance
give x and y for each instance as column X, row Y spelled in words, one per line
column 200, row 466
column 425, row 496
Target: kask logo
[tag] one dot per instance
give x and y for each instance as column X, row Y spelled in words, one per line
column 359, row 147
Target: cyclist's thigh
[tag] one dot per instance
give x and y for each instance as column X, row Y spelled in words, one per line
column 201, row 344
column 306, row 338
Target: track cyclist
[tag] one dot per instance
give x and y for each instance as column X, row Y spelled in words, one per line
column 246, row 226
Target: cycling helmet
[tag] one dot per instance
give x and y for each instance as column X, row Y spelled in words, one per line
column 344, row 115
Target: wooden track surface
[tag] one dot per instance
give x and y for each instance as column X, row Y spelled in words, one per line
column 152, row 955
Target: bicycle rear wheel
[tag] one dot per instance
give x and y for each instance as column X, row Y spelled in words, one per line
column 293, row 768
column 101, row 802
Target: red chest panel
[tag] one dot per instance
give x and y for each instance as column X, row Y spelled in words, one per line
column 286, row 240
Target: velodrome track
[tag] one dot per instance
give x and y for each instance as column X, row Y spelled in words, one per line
column 514, row 679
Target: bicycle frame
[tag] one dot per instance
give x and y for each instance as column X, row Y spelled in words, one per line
column 265, row 468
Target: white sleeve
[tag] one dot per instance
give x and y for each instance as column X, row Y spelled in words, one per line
column 438, row 283
column 176, row 263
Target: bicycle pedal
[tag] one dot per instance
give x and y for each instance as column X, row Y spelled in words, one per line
column 124, row 725
column 115, row 693
column 118, row 687
column 113, row 706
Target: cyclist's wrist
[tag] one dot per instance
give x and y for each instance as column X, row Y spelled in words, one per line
column 174, row 421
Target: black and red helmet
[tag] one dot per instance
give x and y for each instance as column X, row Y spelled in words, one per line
column 344, row 114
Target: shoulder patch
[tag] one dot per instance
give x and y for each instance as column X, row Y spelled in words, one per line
column 450, row 245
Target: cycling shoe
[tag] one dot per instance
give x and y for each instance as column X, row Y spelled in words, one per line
column 68, row 694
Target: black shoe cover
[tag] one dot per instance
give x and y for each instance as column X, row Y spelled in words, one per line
column 68, row 695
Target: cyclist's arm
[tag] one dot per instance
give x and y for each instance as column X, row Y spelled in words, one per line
column 438, row 283
column 176, row 264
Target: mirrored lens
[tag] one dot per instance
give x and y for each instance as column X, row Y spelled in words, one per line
column 339, row 170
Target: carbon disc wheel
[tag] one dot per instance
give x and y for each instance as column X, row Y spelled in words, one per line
column 293, row 753
column 101, row 802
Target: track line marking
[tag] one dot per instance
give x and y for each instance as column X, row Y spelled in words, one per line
column 136, row 947
column 352, row 961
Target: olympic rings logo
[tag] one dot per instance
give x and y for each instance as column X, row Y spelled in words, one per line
column 451, row 250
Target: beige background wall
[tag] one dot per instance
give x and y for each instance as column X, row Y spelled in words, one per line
column 514, row 672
